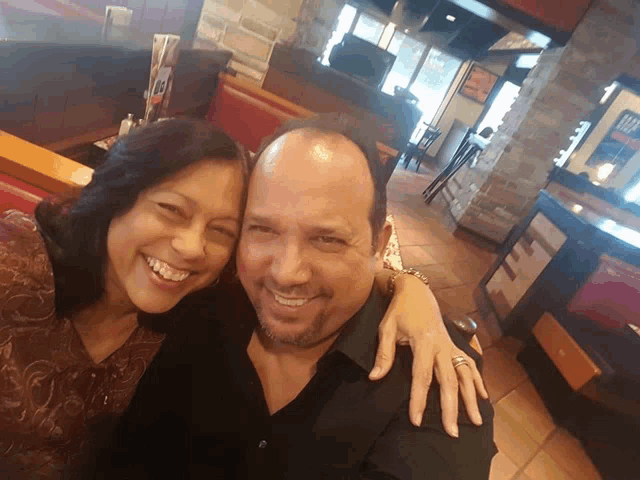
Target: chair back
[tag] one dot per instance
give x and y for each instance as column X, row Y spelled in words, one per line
column 611, row 295
column 429, row 136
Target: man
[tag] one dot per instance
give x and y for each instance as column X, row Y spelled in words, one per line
column 293, row 399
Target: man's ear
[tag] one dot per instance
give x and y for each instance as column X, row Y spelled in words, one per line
column 383, row 241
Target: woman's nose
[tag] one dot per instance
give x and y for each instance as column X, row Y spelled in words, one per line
column 190, row 242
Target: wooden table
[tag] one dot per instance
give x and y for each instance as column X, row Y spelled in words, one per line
column 40, row 167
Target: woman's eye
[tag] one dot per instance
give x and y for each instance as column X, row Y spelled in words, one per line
column 171, row 209
column 224, row 231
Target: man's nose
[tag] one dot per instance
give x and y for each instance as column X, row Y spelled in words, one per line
column 289, row 267
column 190, row 242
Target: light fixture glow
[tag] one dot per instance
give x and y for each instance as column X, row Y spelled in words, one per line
column 451, row 18
column 608, row 91
column 576, row 208
column 604, row 171
column 633, row 194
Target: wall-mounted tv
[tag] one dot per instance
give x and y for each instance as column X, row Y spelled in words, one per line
column 362, row 60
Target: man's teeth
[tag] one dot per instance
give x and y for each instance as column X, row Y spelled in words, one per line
column 165, row 271
column 290, row 302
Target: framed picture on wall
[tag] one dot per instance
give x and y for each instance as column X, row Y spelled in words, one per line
column 620, row 144
column 478, row 84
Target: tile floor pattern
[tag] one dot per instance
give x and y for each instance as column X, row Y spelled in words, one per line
column 531, row 446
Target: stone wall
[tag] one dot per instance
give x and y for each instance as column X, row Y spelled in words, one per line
column 562, row 89
column 315, row 23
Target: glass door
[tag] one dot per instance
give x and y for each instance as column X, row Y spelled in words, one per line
column 500, row 106
column 345, row 19
column 408, row 53
column 433, row 81
column 368, row 28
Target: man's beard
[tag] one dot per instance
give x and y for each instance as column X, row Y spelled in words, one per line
column 305, row 339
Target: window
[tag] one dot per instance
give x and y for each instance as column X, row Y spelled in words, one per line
column 434, row 76
column 345, row 19
column 408, row 54
column 368, row 28
column 433, row 81
column 500, row 106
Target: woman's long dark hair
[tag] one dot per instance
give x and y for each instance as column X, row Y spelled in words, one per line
column 75, row 227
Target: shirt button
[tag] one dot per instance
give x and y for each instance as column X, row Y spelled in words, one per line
column 262, row 444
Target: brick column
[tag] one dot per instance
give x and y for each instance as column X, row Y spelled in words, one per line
column 315, row 23
column 560, row 91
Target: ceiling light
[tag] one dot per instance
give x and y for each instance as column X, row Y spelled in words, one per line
column 451, row 18
column 604, row 171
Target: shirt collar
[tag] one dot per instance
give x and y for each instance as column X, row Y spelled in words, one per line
column 359, row 338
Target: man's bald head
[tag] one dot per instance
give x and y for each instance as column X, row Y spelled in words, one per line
column 310, row 242
column 331, row 134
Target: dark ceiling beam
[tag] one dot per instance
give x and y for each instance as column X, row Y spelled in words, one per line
column 516, row 21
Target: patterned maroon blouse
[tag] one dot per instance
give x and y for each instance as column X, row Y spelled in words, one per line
column 50, row 388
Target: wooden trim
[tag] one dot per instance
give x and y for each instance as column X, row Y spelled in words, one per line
column 90, row 137
column 574, row 364
column 40, row 167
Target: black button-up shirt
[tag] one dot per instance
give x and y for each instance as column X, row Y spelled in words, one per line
column 201, row 413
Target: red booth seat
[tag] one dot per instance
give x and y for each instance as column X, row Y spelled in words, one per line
column 249, row 114
column 611, row 296
column 18, row 195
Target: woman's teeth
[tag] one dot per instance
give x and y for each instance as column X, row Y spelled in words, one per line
column 165, row 271
column 290, row 302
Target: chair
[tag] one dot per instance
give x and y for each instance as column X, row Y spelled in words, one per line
column 429, row 136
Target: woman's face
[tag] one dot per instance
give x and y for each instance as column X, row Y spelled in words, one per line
column 176, row 238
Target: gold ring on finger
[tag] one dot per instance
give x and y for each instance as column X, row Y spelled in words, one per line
column 459, row 360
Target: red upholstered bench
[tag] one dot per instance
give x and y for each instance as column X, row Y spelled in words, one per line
column 249, row 114
column 18, row 195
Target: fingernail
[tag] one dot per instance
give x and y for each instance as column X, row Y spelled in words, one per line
column 417, row 419
column 455, row 431
column 477, row 419
column 375, row 372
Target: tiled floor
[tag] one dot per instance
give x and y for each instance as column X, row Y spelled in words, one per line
column 531, row 446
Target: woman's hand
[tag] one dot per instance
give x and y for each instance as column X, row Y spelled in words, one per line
column 413, row 318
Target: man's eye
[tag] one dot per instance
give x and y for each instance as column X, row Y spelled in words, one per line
column 331, row 240
column 260, row 229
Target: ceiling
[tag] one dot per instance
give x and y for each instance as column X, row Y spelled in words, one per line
column 470, row 27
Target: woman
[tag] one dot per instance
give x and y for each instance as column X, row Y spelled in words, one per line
column 88, row 288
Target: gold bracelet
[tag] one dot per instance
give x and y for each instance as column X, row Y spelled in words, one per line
column 391, row 286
